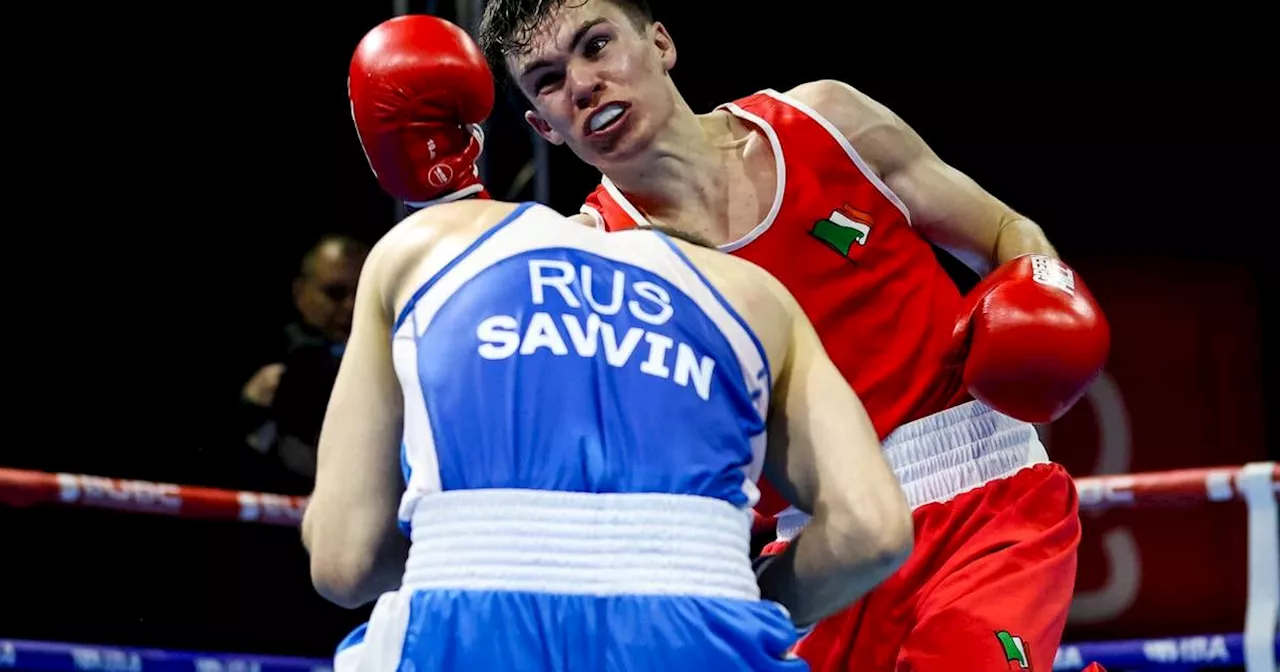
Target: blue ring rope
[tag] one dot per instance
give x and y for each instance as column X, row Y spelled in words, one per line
column 1168, row 653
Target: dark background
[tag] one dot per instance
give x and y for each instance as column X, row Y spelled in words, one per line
column 194, row 162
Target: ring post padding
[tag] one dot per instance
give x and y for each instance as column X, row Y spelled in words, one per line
column 1255, row 484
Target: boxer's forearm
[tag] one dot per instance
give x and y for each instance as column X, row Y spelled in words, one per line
column 826, row 569
column 1019, row 236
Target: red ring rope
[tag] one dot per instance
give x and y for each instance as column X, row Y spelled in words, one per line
column 1165, row 488
column 20, row 487
column 27, row 488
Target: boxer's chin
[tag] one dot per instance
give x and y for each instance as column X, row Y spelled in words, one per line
column 624, row 146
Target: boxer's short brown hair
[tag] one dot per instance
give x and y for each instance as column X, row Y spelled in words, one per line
column 509, row 26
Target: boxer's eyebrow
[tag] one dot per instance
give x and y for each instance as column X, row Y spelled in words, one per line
column 578, row 34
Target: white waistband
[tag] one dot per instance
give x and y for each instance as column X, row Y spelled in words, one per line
column 949, row 453
column 581, row 543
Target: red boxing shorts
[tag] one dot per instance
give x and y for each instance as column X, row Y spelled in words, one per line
column 989, row 582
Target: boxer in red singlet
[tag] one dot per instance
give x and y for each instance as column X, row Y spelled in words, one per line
column 840, row 199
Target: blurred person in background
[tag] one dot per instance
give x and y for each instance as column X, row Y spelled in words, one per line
column 282, row 404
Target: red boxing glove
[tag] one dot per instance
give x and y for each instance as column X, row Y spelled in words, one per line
column 419, row 87
column 774, row 548
column 1032, row 339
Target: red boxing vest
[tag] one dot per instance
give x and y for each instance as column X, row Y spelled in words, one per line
column 842, row 243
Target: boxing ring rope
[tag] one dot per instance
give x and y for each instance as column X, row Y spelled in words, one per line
column 1257, row 648
column 59, row 657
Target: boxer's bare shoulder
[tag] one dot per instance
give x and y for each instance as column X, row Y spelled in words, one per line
column 878, row 134
column 948, row 207
column 425, row 241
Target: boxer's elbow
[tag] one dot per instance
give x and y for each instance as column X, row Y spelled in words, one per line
column 885, row 551
column 344, row 578
column 346, row 568
column 896, row 539
column 875, row 534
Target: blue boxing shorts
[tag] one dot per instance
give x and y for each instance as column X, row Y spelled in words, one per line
column 517, row 580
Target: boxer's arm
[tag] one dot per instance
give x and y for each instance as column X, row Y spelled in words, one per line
column 824, row 457
column 948, row 207
column 357, row 552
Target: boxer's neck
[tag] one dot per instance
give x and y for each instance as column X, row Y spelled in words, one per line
column 685, row 170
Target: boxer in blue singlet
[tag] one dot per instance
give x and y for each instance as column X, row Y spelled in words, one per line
column 568, row 426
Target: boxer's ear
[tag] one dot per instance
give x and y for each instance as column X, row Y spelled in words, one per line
column 665, row 45
column 542, row 128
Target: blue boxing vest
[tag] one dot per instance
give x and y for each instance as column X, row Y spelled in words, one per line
column 550, row 356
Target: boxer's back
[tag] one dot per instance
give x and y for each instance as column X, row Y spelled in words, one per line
column 547, row 356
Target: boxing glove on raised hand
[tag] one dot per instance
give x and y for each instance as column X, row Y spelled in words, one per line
column 419, row 87
column 1030, row 338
